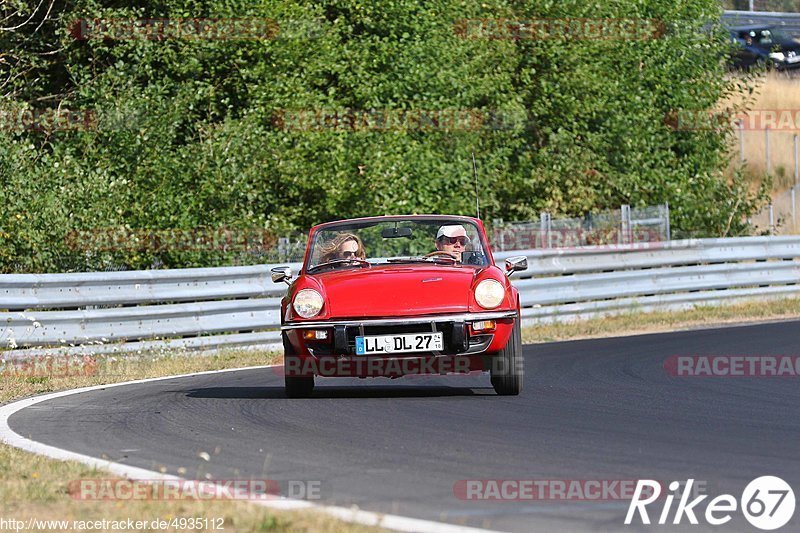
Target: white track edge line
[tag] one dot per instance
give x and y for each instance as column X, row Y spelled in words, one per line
column 352, row 515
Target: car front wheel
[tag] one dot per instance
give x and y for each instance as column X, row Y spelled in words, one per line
column 295, row 386
column 507, row 366
column 299, row 387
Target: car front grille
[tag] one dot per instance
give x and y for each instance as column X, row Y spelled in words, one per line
column 455, row 337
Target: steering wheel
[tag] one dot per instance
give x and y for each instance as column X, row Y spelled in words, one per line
column 362, row 262
column 357, row 261
column 439, row 253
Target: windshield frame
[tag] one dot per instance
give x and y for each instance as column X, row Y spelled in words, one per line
column 778, row 36
column 372, row 221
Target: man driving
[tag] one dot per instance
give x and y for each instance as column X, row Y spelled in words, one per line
column 452, row 239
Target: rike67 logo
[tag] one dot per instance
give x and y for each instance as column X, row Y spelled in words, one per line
column 767, row 502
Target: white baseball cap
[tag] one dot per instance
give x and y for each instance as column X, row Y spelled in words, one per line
column 452, row 231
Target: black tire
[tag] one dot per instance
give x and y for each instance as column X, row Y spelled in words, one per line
column 507, row 366
column 295, row 386
column 299, row 387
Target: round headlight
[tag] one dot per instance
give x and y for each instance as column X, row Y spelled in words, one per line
column 489, row 293
column 307, row 303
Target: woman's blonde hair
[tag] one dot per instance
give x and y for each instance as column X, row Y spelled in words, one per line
column 330, row 250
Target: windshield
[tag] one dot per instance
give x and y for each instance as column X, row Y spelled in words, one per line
column 766, row 37
column 367, row 243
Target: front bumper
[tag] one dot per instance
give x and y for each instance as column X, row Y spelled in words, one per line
column 459, row 339
column 785, row 65
column 471, row 317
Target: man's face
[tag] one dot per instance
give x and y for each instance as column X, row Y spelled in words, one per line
column 348, row 250
column 452, row 245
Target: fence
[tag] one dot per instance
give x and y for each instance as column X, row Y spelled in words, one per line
column 123, row 312
column 584, row 283
column 780, row 217
column 140, row 310
column 625, row 226
column 780, row 157
column 792, row 6
column 782, row 16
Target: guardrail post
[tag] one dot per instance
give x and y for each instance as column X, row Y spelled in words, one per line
column 796, row 182
column 282, row 241
column 796, row 163
column 625, row 223
column 771, row 220
column 544, row 229
column 766, row 146
column 741, row 140
column 666, row 216
column 497, row 223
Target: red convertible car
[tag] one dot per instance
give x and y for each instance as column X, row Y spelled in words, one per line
column 398, row 295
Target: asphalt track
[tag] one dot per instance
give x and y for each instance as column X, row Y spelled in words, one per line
column 591, row 410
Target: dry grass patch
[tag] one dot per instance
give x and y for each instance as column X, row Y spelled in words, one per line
column 772, row 92
column 116, row 369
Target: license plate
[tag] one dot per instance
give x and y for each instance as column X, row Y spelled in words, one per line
column 405, row 343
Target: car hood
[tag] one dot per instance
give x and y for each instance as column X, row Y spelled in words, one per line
column 780, row 45
column 397, row 290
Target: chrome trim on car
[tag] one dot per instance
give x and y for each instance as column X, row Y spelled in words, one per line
column 481, row 346
column 469, row 317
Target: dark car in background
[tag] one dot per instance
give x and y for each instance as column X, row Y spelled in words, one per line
column 764, row 45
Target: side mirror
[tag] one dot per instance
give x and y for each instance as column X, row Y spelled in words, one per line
column 516, row 264
column 281, row 274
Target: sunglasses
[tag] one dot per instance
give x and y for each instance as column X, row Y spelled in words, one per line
column 453, row 240
column 348, row 255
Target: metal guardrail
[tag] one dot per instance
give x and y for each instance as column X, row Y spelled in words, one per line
column 209, row 308
column 139, row 310
column 788, row 21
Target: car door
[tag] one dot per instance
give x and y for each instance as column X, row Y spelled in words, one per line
column 748, row 53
